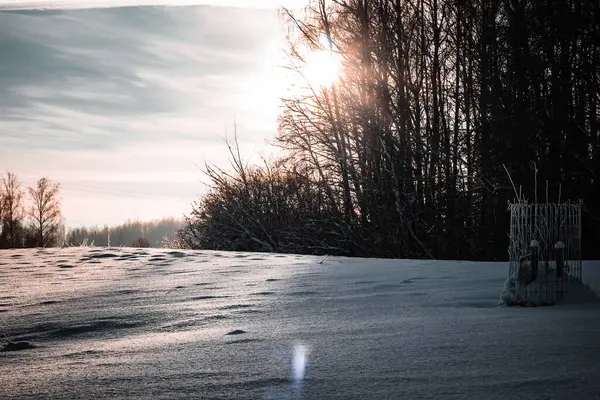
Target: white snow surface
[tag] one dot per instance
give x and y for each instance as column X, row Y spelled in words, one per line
column 153, row 324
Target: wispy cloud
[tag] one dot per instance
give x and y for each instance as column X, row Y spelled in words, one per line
column 86, row 92
column 80, row 4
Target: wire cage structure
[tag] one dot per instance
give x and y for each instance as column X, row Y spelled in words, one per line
column 544, row 252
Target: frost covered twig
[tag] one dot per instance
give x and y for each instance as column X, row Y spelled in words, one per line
column 512, row 183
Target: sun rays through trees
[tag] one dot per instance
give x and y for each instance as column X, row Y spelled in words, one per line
column 404, row 147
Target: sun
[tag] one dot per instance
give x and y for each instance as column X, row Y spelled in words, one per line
column 323, row 65
column 259, row 96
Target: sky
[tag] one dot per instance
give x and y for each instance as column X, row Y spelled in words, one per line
column 123, row 105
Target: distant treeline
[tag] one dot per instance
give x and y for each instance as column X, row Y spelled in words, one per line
column 156, row 233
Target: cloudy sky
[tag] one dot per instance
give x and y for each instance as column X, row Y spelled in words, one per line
column 121, row 105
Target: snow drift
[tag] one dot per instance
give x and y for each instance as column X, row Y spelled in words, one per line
column 138, row 324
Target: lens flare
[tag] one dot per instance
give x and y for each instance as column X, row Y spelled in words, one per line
column 299, row 363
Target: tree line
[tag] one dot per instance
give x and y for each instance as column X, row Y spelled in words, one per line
column 31, row 217
column 156, row 233
column 408, row 153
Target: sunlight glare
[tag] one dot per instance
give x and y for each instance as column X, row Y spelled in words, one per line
column 322, row 66
column 325, row 42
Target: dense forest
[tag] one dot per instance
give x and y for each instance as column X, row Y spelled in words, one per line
column 408, row 153
column 156, row 233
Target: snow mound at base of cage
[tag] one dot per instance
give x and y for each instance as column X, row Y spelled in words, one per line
column 546, row 289
column 534, row 294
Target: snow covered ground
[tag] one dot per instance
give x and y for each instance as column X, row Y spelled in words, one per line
column 154, row 324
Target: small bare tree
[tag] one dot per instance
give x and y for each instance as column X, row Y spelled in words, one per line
column 45, row 211
column 11, row 208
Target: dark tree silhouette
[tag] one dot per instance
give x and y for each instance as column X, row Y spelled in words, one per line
column 45, row 212
column 435, row 97
column 11, row 211
column 407, row 150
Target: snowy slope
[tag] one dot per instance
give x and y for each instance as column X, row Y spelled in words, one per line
column 141, row 324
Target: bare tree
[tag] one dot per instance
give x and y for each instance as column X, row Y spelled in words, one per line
column 11, row 208
column 2, row 200
column 45, row 211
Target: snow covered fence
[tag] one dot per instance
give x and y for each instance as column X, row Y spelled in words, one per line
column 544, row 253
